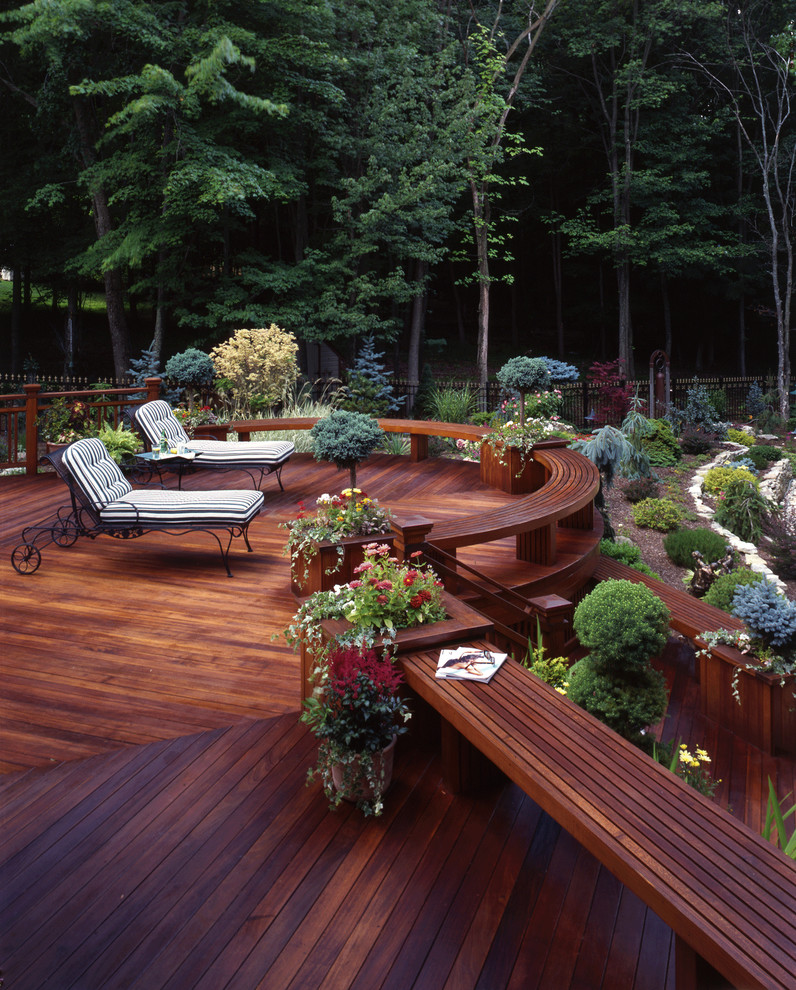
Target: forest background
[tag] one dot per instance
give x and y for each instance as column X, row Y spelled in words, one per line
column 463, row 179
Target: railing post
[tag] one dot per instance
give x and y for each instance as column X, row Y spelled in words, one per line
column 555, row 622
column 31, row 427
column 410, row 534
column 152, row 388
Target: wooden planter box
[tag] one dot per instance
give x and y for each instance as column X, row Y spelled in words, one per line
column 211, row 432
column 766, row 716
column 518, row 475
column 463, row 623
column 307, row 576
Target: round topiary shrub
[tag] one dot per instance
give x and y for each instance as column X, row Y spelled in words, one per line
column 623, row 624
column 627, row 706
column 524, row 375
column 345, row 439
column 720, row 593
column 719, row 478
column 679, row 546
column 657, row 513
column 190, row 367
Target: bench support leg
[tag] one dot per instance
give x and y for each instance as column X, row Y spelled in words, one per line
column 538, row 546
column 691, row 972
column 418, row 447
column 463, row 766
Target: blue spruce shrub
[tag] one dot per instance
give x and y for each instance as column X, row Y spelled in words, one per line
column 766, row 612
column 560, row 371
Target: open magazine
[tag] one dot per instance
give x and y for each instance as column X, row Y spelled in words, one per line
column 467, row 663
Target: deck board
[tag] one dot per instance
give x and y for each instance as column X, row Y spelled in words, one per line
column 156, row 827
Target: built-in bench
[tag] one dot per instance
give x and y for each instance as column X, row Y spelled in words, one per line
column 729, row 896
column 761, row 708
column 418, row 430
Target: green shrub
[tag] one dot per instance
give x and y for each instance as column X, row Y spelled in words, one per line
column 623, row 624
column 698, row 439
column 761, row 455
column 627, row 706
column 626, row 553
column 190, row 367
column 718, row 478
column 742, row 509
column 453, row 405
column 346, row 438
column 680, row 545
column 657, row 513
column 740, row 436
column 552, row 670
column 721, row 592
column 638, row 489
column 661, row 445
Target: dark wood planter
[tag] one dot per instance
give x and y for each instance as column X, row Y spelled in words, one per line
column 519, row 475
column 307, row 576
column 766, row 716
column 211, row 432
column 463, row 623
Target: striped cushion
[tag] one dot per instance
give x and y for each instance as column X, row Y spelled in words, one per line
column 95, row 471
column 225, row 451
column 154, row 417
column 180, row 508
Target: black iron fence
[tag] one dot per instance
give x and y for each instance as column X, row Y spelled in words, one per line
column 586, row 405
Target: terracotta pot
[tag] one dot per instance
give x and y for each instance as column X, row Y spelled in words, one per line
column 357, row 788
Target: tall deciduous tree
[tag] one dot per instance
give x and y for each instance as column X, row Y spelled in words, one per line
column 758, row 82
column 499, row 64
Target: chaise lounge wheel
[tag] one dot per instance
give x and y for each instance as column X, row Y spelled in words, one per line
column 26, row 558
column 64, row 534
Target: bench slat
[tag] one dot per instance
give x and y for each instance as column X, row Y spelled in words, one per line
column 730, row 895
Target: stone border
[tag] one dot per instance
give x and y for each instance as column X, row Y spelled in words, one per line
column 749, row 550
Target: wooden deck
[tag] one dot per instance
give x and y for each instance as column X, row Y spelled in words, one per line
column 156, row 829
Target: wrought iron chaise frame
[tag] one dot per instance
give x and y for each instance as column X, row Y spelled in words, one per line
column 81, row 518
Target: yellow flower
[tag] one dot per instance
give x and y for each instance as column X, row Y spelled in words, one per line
column 702, row 755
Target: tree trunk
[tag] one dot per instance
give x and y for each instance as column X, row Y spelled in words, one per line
column 114, row 289
column 416, row 327
column 16, row 319
column 625, row 324
column 667, row 314
column 558, row 286
column 70, row 332
column 481, row 216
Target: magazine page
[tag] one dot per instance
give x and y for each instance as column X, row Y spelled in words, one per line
column 467, row 663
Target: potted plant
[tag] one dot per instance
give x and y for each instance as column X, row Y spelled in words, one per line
column 385, row 596
column 62, row 422
column 345, row 438
column 507, row 453
column 357, row 714
column 327, row 543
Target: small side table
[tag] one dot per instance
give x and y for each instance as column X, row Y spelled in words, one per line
column 153, row 463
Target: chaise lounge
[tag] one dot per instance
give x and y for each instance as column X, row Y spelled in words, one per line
column 154, row 418
column 104, row 502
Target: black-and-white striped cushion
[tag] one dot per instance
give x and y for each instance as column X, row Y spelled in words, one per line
column 232, row 451
column 96, row 472
column 154, row 418
column 180, row 508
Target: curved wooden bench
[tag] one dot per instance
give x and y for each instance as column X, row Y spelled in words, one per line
column 565, row 497
column 419, row 430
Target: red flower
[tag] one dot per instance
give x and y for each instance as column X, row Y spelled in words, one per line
column 381, row 599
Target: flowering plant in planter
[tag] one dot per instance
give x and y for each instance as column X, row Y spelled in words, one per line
column 351, row 513
column 198, row 416
column 523, row 436
column 356, row 715
column 385, row 595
